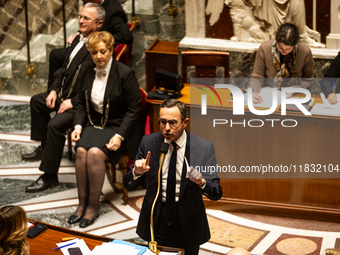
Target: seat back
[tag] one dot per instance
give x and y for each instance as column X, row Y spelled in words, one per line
column 205, row 62
column 124, row 51
column 143, row 114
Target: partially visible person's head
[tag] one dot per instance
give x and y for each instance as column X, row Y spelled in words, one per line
column 13, row 230
column 173, row 119
column 100, row 45
column 92, row 1
column 238, row 251
column 91, row 18
column 287, row 36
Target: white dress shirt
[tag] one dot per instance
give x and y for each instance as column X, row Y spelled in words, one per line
column 82, row 41
column 181, row 143
column 99, row 86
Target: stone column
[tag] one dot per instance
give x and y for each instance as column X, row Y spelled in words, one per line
column 333, row 39
column 195, row 18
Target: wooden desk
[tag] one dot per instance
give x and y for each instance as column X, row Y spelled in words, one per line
column 46, row 242
column 160, row 54
column 315, row 140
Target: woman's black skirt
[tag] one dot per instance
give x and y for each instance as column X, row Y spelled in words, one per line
column 94, row 137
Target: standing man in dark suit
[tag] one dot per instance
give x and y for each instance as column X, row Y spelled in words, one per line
column 115, row 23
column 60, row 98
column 179, row 217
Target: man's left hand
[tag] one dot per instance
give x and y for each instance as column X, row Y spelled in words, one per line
column 65, row 105
column 196, row 177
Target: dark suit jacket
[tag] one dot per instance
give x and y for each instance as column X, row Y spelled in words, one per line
column 68, row 73
column 193, row 219
column 116, row 22
column 124, row 97
column 332, row 75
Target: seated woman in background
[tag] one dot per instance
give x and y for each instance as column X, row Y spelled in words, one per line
column 106, row 122
column 331, row 86
column 13, row 230
column 284, row 57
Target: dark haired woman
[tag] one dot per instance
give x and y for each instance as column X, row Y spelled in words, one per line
column 284, row 57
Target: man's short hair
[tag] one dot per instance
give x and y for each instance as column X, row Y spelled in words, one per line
column 171, row 102
column 100, row 10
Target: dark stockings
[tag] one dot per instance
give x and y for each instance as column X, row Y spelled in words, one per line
column 90, row 174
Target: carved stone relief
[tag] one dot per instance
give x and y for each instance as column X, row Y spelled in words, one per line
column 258, row 20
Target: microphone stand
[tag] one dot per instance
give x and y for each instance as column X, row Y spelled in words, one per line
column 153, row 243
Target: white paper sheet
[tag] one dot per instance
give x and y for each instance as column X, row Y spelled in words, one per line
column 320, row 109
column 78, row 243
column 328, row 105
column 267, row 95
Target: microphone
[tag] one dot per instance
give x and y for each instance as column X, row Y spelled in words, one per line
column 164, row 151
column 153, row 243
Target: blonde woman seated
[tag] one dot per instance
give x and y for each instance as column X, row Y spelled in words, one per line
column 106, row 122
column 13, row 230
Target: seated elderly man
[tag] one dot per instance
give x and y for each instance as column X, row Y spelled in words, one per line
column 115, row 22
column 60, row 98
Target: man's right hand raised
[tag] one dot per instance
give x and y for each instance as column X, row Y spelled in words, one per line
column 51, row 99
column 142, row 165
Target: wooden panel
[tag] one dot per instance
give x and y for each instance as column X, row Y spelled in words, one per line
column 315, row 140
column 160, row 54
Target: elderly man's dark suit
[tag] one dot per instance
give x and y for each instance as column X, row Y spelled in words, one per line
column 193, row 219
column 52, row 131
column 122, row 93
column 115, row 22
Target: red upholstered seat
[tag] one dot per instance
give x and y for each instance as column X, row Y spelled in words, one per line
column 124, row 51
column 125, row 162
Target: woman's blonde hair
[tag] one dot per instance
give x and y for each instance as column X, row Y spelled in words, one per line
column 13, row 230
column 101, row 36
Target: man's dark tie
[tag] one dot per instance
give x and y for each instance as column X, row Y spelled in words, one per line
column 170, row 187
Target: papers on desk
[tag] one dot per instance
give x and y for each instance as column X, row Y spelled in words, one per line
column 124, row 248
column 326, row 108
column 267, row 94
column 108, row 248
column 117, row 247
column 78, row 243
column 320, row 109
column 328, row 105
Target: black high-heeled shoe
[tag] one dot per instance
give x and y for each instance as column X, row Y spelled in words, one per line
column 86, row 222
column 74, row 218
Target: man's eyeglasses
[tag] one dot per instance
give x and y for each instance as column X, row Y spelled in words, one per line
column 172, row 123
column 84, row 17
